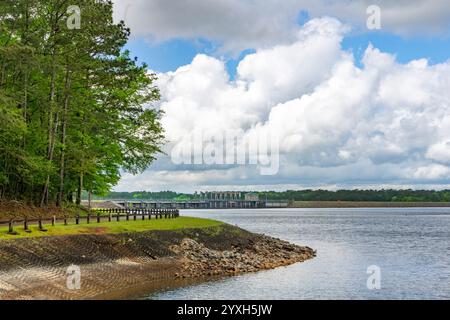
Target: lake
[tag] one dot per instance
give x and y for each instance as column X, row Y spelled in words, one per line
column 411, row 246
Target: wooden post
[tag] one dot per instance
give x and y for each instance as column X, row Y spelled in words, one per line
column 117, row 216
column 135, row 215
column 65, row 221
column 109, row 217
column 128, row 215
column 41, row 227
column 98, row 217
column 25, row 225
column 11, row 227
column 88, row 218
column 53, row 221
column 77, row 220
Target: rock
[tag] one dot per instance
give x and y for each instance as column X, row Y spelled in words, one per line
column 265, row 253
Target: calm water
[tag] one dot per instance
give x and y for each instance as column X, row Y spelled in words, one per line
column 411, row 246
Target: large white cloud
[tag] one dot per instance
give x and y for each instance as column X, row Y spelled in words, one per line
column 201, row 95
column 243, row 24
column 384, row 123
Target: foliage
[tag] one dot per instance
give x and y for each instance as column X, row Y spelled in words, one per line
column 75, row 108
column 144, row 195
column 361, row 195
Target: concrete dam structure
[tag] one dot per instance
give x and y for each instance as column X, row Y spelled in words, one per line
column 207, row 200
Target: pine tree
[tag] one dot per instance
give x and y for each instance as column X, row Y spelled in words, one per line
column 74, row 106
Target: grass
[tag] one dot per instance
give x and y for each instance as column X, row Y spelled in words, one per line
column 110, row 227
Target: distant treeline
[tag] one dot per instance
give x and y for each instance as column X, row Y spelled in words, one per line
column 306, row 195
column 361, row 195
column 143, row 195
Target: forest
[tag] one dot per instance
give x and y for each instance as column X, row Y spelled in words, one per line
column 76, row 110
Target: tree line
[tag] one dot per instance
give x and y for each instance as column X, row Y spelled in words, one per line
column 75, row 107
column 303, row 195
column 143, row 195
column 387, row 195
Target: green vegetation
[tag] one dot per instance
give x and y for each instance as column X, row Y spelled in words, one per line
column 142, row 195
column 112, row 227
column 306, row 195
column 361, row 195
column 366, row 204
column 75, row 108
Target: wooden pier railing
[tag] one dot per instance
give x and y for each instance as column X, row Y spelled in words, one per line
column 96, row 216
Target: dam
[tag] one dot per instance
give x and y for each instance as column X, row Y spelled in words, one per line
column 207, row 200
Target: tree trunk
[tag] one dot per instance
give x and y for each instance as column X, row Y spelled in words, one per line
column 90, row 201
column 51, row 124
column 70, row 197
column 80, row 189
column 63, row 141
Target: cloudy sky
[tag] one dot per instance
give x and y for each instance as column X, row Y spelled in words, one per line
column 350, row 107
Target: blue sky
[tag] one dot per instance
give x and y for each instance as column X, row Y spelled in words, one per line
column 406, row 48
column 340, row 125
column 171, row 54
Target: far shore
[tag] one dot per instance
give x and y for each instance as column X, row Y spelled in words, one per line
column 367, row 204
column 319, row 204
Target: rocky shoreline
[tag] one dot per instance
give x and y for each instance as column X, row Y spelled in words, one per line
column 124, row 266
column 263, row 254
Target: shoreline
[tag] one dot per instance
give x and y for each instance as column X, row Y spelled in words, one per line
column 131, row 265
column 365, row 204
column 318, row 205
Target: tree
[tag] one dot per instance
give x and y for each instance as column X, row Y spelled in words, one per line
column 75, row 108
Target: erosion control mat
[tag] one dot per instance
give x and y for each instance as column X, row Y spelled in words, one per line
column 95, row 266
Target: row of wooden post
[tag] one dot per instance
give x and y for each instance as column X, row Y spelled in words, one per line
column 158, row 213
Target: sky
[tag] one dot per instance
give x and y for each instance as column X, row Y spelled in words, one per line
column 338, row 104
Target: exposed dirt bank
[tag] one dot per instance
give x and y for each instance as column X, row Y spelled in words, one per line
column 122, row 265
